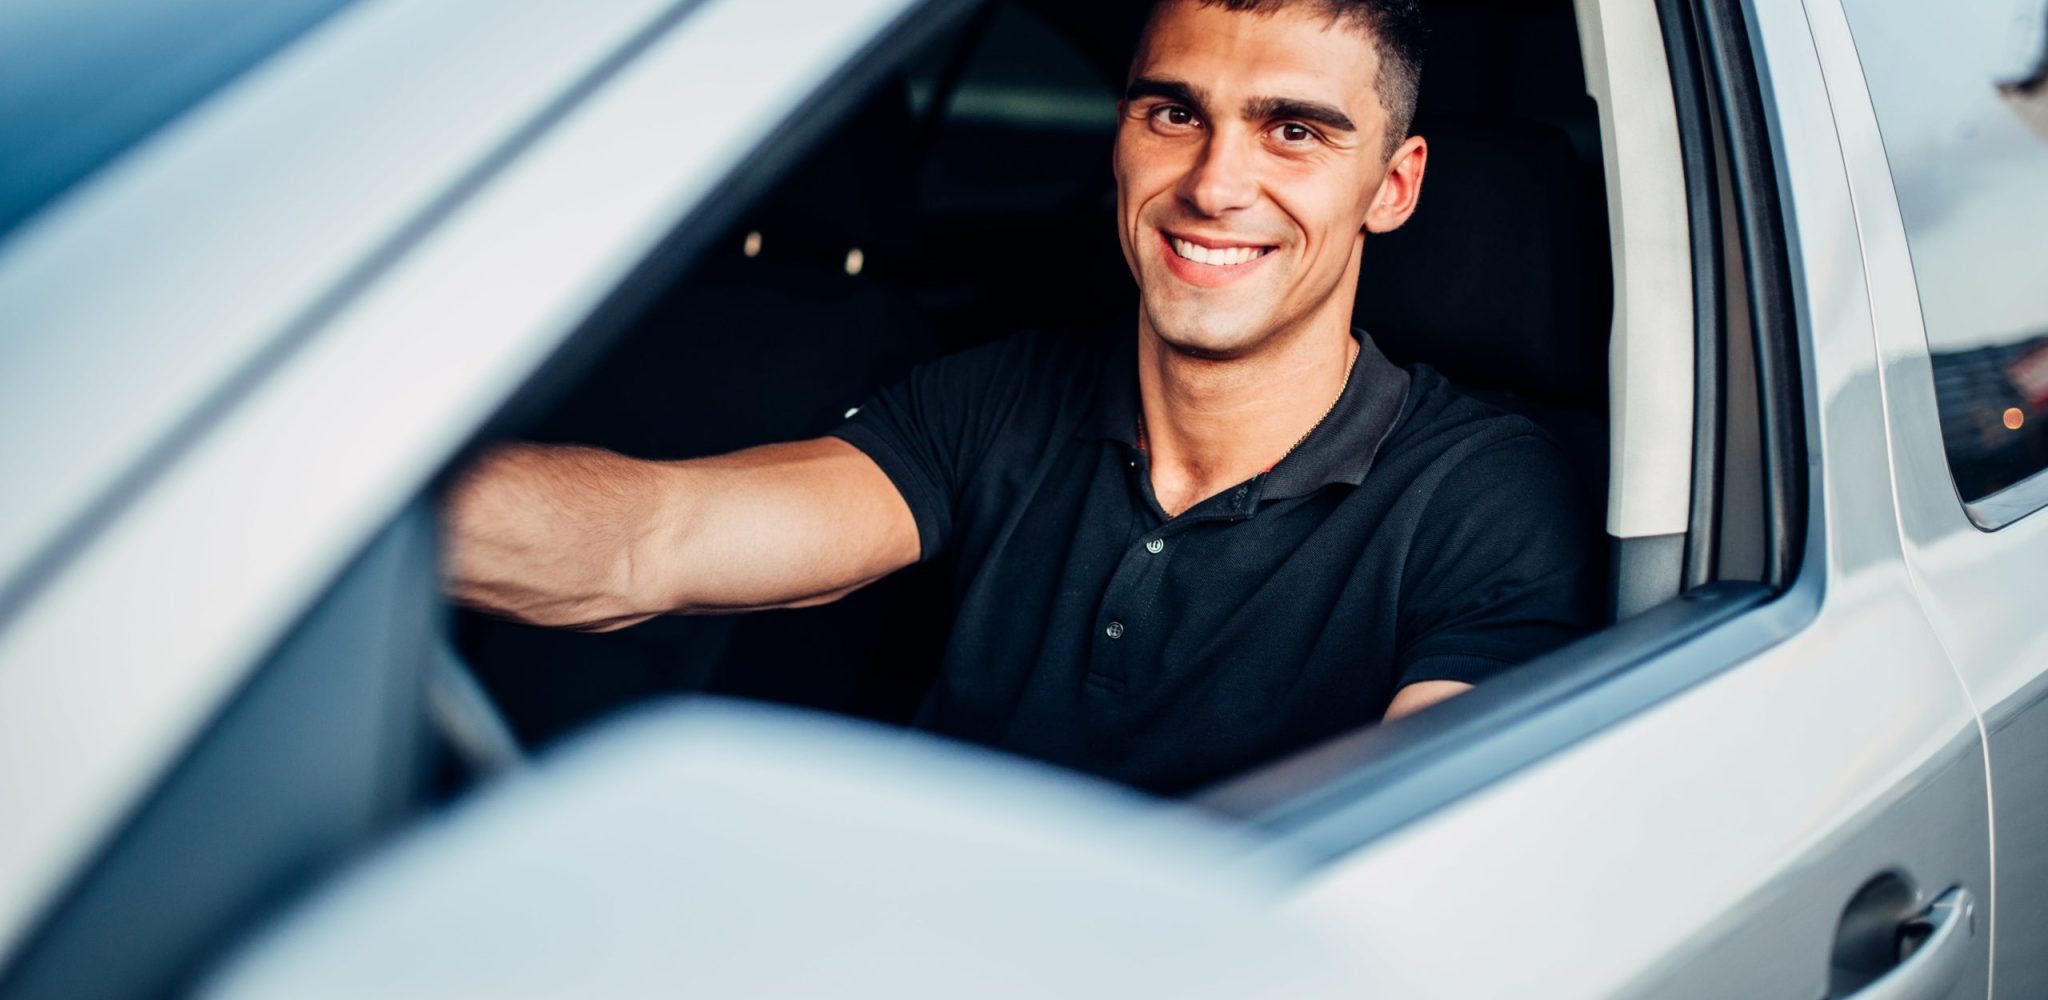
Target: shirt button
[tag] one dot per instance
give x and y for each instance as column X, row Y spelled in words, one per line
column 1156, row 546
column 1115, row 630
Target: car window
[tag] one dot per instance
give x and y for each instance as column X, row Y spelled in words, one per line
column 88, row 79
column 1962, row 102
column 850, row 269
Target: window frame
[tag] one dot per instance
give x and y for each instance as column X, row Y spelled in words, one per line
column 1346, row 793
column 359, row 341
column 2007, row 506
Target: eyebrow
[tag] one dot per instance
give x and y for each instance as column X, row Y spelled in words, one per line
column 1172, row 90
column 1290, row 107
column 1181, row 92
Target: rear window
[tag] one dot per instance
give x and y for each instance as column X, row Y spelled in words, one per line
column 86, row 80
column 1961, row 95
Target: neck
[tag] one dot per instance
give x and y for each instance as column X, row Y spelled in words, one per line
column 1212, row 423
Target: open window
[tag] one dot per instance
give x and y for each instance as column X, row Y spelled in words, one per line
column 831, row 284
column 1587, row 254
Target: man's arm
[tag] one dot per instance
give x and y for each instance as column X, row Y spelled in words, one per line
column 1420, row 695
column 586, row 538
column 1502, row 570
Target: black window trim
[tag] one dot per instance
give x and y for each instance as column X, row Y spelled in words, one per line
column 1698, row 156
column 1329, row 801
column 1990, row 513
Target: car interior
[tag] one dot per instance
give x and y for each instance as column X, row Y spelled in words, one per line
column 850, row 270
column 830, row 279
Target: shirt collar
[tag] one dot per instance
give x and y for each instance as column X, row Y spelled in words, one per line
column 1341, row 449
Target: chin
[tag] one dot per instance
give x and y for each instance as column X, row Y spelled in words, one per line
column 1190, row 328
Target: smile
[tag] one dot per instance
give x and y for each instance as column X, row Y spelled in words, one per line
column 1206, row 265
column 1215, row 256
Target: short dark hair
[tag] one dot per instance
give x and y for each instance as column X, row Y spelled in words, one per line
column 1397, row 33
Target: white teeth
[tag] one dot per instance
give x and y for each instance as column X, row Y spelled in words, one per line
column 1220, row 257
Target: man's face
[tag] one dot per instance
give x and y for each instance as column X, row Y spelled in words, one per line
column 1249, row 162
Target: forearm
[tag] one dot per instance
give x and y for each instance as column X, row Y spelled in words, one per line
column 1415, row 697
column 782, row 525
column 585, row 538
column 547, row 534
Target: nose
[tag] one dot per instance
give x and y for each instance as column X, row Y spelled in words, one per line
column 1222, row 179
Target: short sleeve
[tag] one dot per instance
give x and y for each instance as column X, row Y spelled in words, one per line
column 1502, row 566
column 930, row 432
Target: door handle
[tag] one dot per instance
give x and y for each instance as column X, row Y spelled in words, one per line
column 1937, row 963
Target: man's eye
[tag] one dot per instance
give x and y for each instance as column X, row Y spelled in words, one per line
column 1174, row 115
column 1292, row 132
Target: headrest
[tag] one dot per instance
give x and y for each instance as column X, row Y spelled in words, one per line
column 1501, row 279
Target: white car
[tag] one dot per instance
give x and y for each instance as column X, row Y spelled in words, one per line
column 269, row 273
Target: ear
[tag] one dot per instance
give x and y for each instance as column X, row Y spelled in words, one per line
column 1400, row 189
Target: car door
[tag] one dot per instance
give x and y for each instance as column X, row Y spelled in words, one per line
column 1947, row 146
column 1788, row 798
column 235, row 360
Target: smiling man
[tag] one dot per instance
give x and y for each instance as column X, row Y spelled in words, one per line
column 1181, row 549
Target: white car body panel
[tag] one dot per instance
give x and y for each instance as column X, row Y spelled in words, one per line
column 678, row 852
column 211, row 564
column 1979, row 587
column 1708, row 846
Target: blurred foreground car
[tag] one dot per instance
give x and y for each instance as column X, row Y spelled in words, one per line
column 269, row 273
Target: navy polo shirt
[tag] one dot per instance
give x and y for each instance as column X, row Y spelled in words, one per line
column 1416, row 534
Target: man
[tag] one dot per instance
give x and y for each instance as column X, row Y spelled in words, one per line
column 1181, row 552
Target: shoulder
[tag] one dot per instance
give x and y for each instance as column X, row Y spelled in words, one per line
column 1491, row 506
column 1458, row 460
column 1000, row 400
column 1439, row 420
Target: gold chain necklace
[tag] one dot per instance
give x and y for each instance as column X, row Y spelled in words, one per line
column 1332, row 408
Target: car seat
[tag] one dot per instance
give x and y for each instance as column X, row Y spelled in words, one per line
column 1501, row 280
